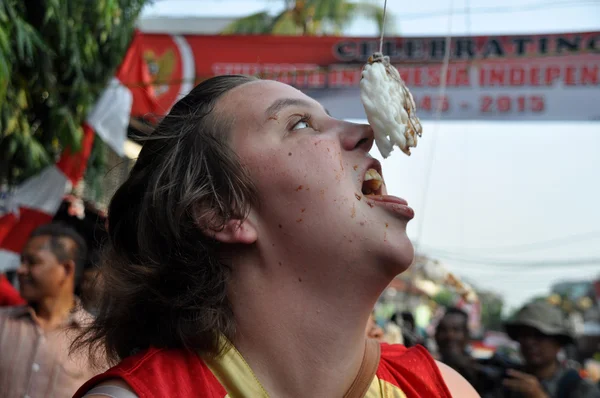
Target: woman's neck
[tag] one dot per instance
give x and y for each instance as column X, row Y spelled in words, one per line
column 299, row 342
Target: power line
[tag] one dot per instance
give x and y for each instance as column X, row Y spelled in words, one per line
column 526, row 247
column 519, row 263
column 437, row 117
column 499, row 9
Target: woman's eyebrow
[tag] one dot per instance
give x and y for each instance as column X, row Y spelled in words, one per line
column 282, row 103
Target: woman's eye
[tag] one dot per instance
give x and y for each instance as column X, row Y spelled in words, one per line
column 302, row 124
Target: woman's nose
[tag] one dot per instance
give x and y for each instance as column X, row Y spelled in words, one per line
column 357, row 136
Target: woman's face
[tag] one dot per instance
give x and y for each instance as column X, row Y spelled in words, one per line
column 309, row 169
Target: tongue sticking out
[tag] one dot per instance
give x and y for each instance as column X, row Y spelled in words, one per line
column 372, row 183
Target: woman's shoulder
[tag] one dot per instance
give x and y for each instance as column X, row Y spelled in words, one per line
column 158, row 373
column 417, row 360
column 414, row 370
column 458, row 385
column 113, row 388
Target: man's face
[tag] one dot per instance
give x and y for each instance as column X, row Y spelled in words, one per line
column 308, row 169
column 537, row 348
column 451, row 334
column 40, row 273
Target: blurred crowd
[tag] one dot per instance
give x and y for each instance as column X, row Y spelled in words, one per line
column 545, row 358
column 54, row 293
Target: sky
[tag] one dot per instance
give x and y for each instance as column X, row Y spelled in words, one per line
column 498, row 193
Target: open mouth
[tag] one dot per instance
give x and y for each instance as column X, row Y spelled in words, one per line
column 372, row 183
column 374, row 191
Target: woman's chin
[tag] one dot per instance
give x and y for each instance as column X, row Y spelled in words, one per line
column 402, row 257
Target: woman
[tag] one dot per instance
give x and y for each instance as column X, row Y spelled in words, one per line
column 244, row 258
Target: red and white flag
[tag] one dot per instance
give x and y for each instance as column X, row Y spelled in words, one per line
column 36, row 201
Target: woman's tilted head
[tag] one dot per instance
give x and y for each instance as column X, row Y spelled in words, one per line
column 244, row 180
column 309, row 170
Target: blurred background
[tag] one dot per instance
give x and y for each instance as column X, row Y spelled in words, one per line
column 502, row 180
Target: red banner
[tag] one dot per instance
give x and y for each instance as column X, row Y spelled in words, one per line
column 527, row 77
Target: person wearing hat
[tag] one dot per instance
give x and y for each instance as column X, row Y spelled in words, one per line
column 542, row 331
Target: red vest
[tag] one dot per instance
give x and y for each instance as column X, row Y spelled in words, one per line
column 157, row 373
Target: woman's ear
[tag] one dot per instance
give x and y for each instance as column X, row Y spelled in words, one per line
column 236, row 231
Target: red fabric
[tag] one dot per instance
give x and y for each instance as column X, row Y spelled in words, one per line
column 14, row 232
column 9, row 296
column 7, row 223
column 178, row 373
column 134, row 74
column 413, row 370
column 73, row 165
column 158, row 373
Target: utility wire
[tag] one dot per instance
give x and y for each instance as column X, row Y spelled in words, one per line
column 434, row 133
column 525, row 247
column 500, row 9
column 520, row 263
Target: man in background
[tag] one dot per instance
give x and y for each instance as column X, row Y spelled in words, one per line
column 452, row 338
column 35, row 342
column 542, row 331
column 410, row 334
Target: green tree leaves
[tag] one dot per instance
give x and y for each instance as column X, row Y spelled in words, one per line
column 56, row 57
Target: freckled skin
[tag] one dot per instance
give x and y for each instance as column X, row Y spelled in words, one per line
column 330, row 157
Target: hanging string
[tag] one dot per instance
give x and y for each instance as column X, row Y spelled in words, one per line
column 382, row 27
column 434, row 133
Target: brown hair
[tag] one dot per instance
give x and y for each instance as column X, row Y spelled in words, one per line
column 164, row 279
